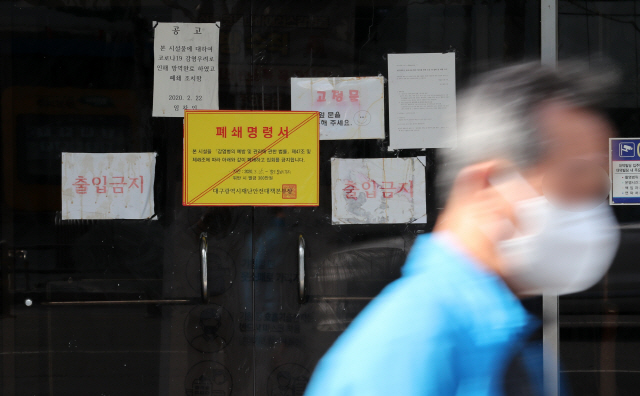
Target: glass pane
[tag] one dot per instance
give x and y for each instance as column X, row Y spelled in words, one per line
column 347, row 265
column 599, row 327
column 111, row 306
column 116, row 307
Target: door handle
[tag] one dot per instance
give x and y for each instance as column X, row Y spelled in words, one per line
column 301, row 269
column 29, row 302
column 205, row 295
column 204, row 247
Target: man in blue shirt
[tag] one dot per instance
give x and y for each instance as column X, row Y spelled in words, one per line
column 452, row 323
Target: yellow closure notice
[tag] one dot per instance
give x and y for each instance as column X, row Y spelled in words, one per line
column 250, row 158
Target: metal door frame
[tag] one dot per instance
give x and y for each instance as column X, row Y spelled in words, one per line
column 550, row 333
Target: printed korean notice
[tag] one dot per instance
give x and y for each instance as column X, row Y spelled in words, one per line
column 250, row 158
column 349, row 107
column 107, row 185
column 422, row 100
column 624, row 160
column 379, row 190
column 185, row 68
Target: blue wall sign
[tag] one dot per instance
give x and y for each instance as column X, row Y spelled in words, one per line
column 624, row 159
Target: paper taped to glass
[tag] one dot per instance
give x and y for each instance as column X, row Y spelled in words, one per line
column 422, row 100
column 107, row 185
column 349, row 107
column 185, row 68
column 250, row 158
column 378, row 190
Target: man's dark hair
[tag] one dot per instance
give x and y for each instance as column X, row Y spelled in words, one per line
column 497, row 115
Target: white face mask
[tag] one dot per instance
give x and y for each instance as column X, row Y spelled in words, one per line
column 556, row 251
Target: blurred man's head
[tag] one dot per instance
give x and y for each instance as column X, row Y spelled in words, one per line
column 529, row 167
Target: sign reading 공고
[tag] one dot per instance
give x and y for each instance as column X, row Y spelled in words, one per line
column 250, row 158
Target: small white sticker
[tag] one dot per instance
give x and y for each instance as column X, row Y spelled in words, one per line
column 349, row 107
column 378, row 190
column 107, row 185
column 185, row 68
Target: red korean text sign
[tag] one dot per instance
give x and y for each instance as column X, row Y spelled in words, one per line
column 251, row 158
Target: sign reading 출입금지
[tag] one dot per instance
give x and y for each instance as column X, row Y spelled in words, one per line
column 107, row 185
column 185, row 67
column 349, row 107
column 378, row 190
column 250, row 158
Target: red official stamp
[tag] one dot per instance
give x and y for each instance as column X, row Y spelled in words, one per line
column 289, row 191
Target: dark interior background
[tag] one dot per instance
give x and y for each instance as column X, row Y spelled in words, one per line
column 77, row 75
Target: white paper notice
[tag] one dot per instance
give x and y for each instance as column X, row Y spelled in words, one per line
column 422, row 100
column 350, row 107
column 185, row 68
column 107, row 186
column 378, row 190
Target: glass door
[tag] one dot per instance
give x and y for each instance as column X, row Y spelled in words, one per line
column 599, row 327
column 312, row 277
column 112, row 306
column 198, row 301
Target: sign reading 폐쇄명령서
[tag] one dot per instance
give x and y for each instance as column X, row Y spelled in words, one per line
column 250, row 158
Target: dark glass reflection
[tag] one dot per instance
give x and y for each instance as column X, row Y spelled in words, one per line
column 78, row 76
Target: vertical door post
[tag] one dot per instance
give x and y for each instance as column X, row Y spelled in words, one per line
column 550, row 333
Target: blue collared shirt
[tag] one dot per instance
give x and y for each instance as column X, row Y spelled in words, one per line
column 446, row 327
